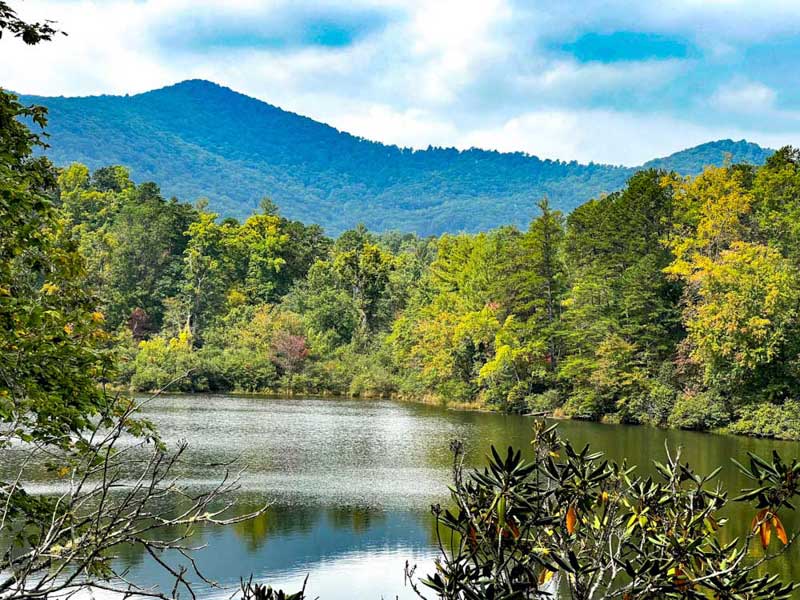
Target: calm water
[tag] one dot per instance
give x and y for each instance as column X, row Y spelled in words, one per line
column 352, row 481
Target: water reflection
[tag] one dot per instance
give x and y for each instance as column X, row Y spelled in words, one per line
column 352, row 481
column 347, row 553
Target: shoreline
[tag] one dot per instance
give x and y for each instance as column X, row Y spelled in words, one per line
column 433, row 400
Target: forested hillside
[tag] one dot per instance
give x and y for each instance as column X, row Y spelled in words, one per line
column 198, row 139
column 675, row 301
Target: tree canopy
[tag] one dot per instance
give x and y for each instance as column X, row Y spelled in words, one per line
column 670, row 302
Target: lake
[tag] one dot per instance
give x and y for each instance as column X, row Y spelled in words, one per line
column 352, row 482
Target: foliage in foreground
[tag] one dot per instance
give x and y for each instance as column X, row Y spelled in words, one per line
column 256, row 591
column 576, row 522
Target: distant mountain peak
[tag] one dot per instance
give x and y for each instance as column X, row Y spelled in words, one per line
column 198, row 88
column 693, row 159
column 197, row 138
column 198, row 82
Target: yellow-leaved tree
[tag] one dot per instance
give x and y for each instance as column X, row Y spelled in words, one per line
column 741, row 294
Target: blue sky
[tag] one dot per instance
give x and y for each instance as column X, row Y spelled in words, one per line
column 609, row 81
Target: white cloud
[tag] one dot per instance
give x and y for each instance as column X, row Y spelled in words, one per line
column 450, row 72
column 562, row 79
column 406, row 129
column 608, row 136
column 593, row 135
column 706, row 21
column 450, row 39
column 747, row 97
column 585, row 135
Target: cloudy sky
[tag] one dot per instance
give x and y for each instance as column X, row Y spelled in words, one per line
column 609, row 81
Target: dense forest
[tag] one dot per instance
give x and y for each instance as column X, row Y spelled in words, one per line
column 198, row 139
column 671, row 302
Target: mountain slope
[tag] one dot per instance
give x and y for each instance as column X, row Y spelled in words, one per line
column 692, row 160
column 198, row 139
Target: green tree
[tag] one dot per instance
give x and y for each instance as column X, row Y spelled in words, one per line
column 741, row 303
column 331, row 312
column 619, row 297
column 30, row 33
column 207, row 274
column 255, row 253
column 51, row 338
column 363, row 269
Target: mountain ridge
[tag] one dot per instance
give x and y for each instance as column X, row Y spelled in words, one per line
column 199, row 139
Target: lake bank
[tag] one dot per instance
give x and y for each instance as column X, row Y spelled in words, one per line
column 477, row 406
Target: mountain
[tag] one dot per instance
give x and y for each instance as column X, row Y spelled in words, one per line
column 691, row 161
column 198, row 139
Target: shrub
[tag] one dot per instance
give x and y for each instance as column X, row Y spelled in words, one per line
column 571, row 523
column 779, row 421
column 455, row 391
column 168, row 363
column 240, row 369
column 584, row 403
column 547, row 401
column 701, row 411
column 374, row 380
column 660, row 403
column 653, row 407
column 517, row 398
